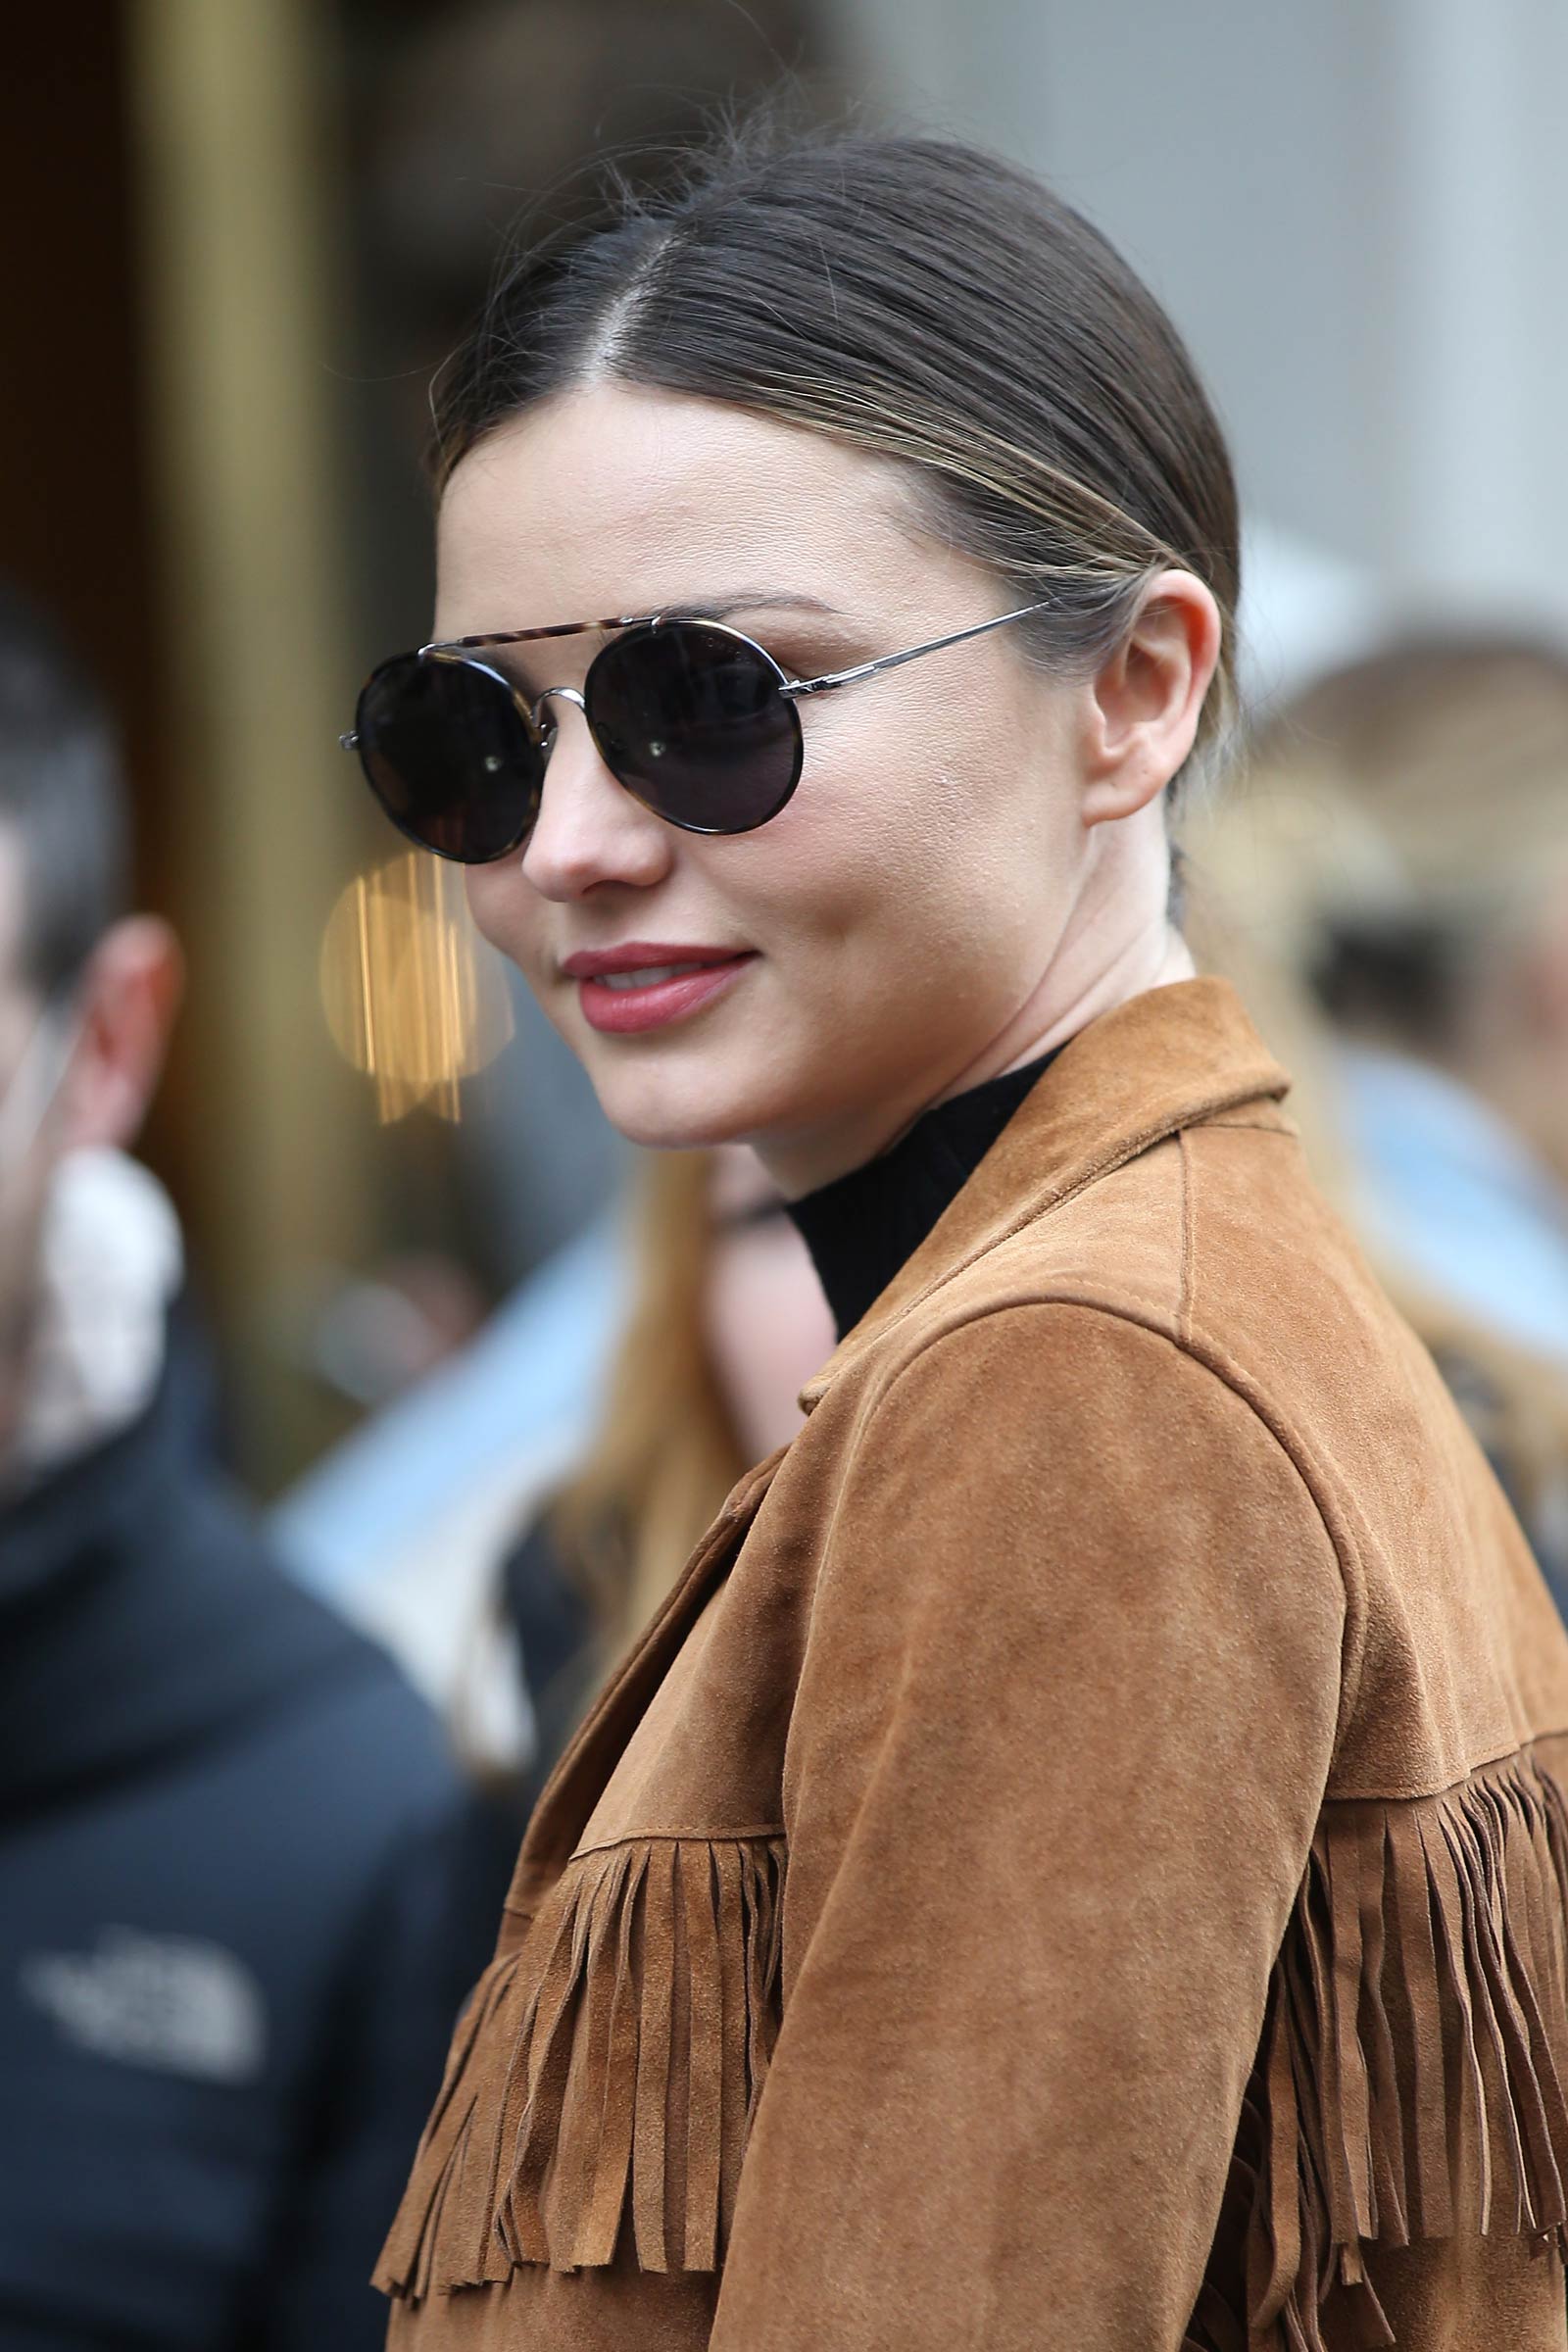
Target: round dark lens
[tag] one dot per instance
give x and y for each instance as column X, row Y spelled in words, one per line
column 450, row 757
column 689, row 717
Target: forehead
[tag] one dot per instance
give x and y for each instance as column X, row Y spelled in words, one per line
column 617, row 499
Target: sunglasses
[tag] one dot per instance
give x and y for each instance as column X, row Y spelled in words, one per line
column 696, row 720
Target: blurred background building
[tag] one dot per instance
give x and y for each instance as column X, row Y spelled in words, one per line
column 243, row 232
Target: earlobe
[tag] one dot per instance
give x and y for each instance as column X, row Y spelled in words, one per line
column 129, row 997
column 1147, row 698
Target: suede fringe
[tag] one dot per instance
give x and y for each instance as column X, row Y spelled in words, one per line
column 618, row 2089
column 1413, row 2069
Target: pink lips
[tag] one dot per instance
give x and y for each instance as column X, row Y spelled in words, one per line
column 624, row 1011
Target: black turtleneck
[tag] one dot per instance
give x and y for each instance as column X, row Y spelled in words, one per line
column 862, row 1227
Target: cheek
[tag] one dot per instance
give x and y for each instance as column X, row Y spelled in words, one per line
column 919, row 833
column 505, row 912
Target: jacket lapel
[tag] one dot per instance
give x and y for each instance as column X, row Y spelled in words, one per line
column 1169, row 1058
column 574, row 1786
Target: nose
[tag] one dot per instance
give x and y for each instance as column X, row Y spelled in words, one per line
column 589, row 830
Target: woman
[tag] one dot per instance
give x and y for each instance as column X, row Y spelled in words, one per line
column 1077, row 1859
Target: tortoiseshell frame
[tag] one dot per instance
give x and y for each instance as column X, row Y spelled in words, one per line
column 790, row 686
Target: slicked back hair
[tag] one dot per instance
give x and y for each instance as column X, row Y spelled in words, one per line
column 924, row 301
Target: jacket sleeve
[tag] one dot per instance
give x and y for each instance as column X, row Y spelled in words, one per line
column 1062, row 1736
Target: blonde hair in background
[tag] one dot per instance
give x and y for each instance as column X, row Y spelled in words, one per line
column 1261, row 864
column 666, row 1452
column 1421, row 794
column 1450, row 755
column 1416, row 797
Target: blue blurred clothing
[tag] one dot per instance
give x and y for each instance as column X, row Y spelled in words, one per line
column 1450, row 1194
column 235, row 1920
column 524, row 1391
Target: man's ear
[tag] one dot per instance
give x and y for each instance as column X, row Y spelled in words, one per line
column 128, row 999
column 1144, row 701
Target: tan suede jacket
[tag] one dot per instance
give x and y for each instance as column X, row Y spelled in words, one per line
column 1080, row 1859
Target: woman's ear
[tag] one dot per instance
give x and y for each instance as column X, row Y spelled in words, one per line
column 1144, row 701
column 130, row 994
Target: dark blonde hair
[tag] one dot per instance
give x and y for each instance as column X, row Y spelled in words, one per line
column 665, row 1451
column 923, row 300
column 1400, row 816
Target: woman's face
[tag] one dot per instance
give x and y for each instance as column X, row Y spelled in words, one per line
column 895, row 927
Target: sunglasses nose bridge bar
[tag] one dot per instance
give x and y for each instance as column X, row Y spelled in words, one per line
column 560, row 694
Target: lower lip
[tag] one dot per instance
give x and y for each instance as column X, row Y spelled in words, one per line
column 622, row 1012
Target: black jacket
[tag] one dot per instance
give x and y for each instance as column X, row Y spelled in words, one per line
column 235, row 1923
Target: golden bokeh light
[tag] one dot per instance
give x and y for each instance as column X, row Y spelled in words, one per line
column 412, row 995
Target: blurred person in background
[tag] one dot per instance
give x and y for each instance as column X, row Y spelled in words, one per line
column 232, row 1849
column 726, row 1323
column 1094, row 1800
column 1398, row 869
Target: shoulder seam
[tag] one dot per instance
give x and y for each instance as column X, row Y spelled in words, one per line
column 1145, row 1314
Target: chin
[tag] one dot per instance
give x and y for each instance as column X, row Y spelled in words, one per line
column 647, row 1108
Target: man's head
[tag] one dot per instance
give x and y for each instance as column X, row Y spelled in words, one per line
column 88, row 992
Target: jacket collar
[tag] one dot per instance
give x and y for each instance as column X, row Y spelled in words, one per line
column 1169, row 1058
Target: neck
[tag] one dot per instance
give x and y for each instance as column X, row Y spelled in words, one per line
column 1153, row 962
